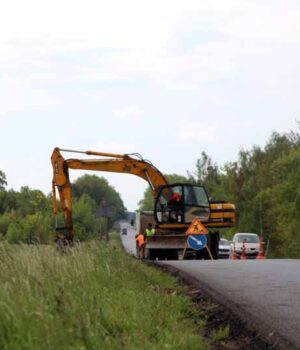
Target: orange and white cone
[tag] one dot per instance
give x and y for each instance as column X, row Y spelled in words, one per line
column 261, row 255
column 243, row 255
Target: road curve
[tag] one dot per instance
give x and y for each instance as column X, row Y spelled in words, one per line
column 263, row 293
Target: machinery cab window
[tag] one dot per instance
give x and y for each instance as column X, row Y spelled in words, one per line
column 181, row 203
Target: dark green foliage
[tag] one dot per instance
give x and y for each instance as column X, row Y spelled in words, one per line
column 3, row 181
column 34, row 228
column 25, row 202
column 5, row 221
column 208, row 174
column 27, row 216
column 107, row 199
column 86, row 222
column 264, row 184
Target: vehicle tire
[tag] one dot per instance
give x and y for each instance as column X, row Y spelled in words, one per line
column 169, row 254
column 202, row 254
column 174, row 254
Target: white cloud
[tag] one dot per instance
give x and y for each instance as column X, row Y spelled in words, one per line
column 95, row 74
column 18, row 94
column 130, row 113
column 115, row 147
column 73, row 24
column 138, row 35
column 198, row 132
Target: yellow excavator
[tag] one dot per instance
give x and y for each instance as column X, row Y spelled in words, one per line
column 176, row 205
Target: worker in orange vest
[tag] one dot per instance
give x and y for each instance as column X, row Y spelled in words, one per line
column 140, row 244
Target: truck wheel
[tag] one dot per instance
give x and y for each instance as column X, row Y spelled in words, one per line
column 202, row 254
column 167, row 254
column 172, row 254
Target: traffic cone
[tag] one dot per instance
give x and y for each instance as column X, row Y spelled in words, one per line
column 260, row 254
column 243, row 255
column 233, row 253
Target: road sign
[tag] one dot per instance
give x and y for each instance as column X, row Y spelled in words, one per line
column 197, row 242
column 196, row 228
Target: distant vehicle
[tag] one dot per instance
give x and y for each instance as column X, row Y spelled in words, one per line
column 224, row 248
column 124, row 231
column 251, row 244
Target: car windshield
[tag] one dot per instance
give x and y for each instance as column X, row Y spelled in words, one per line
column 224, row 242
column 247, row 238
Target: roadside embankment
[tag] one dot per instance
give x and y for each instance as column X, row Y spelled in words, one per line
column 94, row 296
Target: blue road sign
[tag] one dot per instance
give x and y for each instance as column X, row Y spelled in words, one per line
column 197, row 242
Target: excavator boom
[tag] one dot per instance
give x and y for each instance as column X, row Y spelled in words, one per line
column 118, row 163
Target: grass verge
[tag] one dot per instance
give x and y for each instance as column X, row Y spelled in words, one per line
column 93, row 297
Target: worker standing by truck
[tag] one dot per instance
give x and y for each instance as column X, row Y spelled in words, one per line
column 150, row 231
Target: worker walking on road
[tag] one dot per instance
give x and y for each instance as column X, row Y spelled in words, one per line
column 140, row 245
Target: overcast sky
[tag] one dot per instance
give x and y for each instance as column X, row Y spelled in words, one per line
column 167, row 79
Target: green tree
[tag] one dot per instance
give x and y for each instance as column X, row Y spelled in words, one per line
column 25, row 202
column 101, row 192
column 15, row 232
column 5, row 220
column 208, row 175
column 3, row 181
column 264, row 185
column 86, row 223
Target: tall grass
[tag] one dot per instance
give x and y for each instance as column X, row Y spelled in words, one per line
column 92, row 297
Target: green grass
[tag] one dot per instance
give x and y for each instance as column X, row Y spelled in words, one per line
column 221, row 334
column 93, row 297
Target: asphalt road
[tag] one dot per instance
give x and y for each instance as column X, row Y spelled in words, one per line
column 263, row 293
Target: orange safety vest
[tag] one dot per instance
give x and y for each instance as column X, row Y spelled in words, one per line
column 140, row 240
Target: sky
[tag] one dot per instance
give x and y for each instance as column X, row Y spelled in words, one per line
column 166, row 79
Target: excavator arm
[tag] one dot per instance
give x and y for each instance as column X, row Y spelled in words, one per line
column 119, row 163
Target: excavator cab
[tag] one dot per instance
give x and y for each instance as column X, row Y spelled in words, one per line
column 181, row 203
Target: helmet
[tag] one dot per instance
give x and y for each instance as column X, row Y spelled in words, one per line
column 176, row 197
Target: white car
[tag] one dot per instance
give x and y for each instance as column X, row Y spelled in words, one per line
column 251, row 241
column 224, row 248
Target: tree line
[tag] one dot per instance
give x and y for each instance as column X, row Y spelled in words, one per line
column 27, row 215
